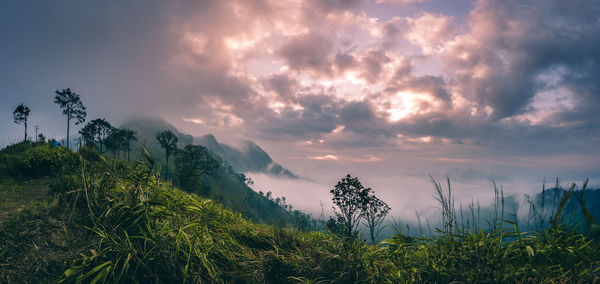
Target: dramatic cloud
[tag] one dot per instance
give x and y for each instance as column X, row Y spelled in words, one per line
column 507, row 85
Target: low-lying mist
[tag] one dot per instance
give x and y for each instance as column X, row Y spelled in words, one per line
column 406, row 195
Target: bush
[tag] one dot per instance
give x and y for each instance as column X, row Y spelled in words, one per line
column 34, row 160
column 46, row 161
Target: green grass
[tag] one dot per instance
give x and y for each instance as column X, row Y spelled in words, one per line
column 120, row 223
column 15, row 196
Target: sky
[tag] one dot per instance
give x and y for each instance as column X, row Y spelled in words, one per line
column 390, row 91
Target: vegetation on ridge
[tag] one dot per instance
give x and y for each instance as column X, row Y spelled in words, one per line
column 111, row 221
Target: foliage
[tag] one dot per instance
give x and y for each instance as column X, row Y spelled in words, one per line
column 355, row 202
column 374, row 214
column 121, row 223
column 192, row 163
column 34, row 160
column 95, row 132
column 20, row 116
column 119, row 140
column 350, row 197
column 71, row 106
column 168, row 141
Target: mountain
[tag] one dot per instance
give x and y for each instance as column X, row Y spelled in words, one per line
column 248, row 158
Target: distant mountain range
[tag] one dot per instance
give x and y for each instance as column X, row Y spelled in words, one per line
column 248, row 158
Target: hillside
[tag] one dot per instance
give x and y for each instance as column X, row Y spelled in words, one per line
column 108, row 221
column 250, row 158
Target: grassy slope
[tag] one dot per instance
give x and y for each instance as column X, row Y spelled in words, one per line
column 226, row 186
column 15, row 196
column 134, row 227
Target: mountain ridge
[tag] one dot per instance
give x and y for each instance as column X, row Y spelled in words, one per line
column 250, row 158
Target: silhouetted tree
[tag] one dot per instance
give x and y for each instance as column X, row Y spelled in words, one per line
column 104, row 128
column 374, row 214
column 192, row 162
column 128, row 135
column 88, row 134
column 20, row 116
column 350, row 197
column 36, row 132
column 71, row 106
column 119, row 140
column 114, row 141
column 168, row 141
column 95, row 132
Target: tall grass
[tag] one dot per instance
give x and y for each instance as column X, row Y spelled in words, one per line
column 134, row 227
column 152, row 232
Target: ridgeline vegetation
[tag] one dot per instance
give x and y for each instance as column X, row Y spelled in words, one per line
column 90, row 215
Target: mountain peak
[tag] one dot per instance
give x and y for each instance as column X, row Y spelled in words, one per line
column 248, row 158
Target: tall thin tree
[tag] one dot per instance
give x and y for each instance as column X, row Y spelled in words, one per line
column 20, row 116
column 129, row 136
column 168, row 141
column 71, row 106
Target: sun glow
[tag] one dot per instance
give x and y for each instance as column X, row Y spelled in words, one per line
column 325, row 157
column 407, row 103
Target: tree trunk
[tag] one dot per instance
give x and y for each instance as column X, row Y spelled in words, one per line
column 25, row 137
column 167, row 167
column 68, row 123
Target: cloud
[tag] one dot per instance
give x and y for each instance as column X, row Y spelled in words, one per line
column 498, row 61
column 308, row 52
column 504, row 79
column 325, row 157
column 428, row 31
column 373, row 63
column 399, row 1
column 470, row 175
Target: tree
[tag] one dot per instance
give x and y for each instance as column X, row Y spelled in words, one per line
column 192, row 162
column 71, row 106
column 350, row 197
column 88, row 134
column 374, row 214
column 128, row 135
column 168, row 141
column 114, row 141
column 119, row 140
column 36, row 132
column 95, row 132
column 20, row 116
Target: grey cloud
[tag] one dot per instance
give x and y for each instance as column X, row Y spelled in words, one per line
column 512, row 44
column 334, row 5
column 308, row 52
column 372, row 64
column 434, row 85
column 318, row 116
column 344, row 61
column 392, row 33
column 360, row 117
column 282, row 84
column 403, row 70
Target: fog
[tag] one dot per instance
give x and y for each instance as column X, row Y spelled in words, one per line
column 406, row 195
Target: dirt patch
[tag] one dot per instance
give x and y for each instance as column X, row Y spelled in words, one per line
column 15, row 197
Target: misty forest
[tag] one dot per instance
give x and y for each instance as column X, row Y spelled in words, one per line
column 400, row 142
